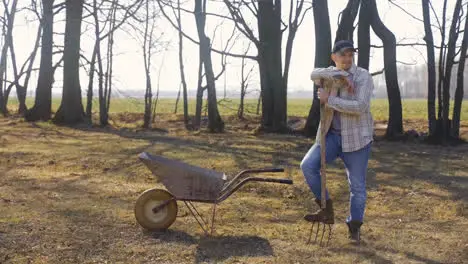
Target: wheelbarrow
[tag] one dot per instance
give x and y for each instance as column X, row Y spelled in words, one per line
column 156, row 209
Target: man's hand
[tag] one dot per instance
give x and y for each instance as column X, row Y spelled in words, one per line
column 350, row 85
column 322, row 95
column 318, row 82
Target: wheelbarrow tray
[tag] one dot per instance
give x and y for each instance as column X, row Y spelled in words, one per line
column 183, row 180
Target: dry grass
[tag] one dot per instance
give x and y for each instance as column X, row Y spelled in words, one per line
column 67, row 196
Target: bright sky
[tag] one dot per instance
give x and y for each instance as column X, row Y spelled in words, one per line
column 128, row 63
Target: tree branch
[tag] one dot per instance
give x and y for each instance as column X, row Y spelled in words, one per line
column 239, row 21
column 405, row 45
column 378, row 72
column 198, row 43
column 437, row 18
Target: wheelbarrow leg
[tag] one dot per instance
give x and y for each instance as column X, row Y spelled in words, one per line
column 213, row 216
column 207, row 228
column 193, row 210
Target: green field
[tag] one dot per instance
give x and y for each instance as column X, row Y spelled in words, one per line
column 412, row 108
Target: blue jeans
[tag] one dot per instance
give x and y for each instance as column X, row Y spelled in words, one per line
column 356, row 170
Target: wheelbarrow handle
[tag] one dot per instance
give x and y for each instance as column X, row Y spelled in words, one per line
column 283, row 181
column 263, row 170
column 229, row 190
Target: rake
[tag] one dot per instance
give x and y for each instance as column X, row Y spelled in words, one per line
column 326, row 117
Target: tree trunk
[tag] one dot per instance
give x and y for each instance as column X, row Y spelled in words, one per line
column 43, row 100
column 395, row 119
column 451, row 53
column 322, row 59
column 431, row 71
column 92, row 69
column 200, row 90
column 459, row 90
column 259, row 102
column 240, row 110
column 148, row 101
column 215, row 123
column 147, row 64
column 71, row 107
column 101, row 96
column 10, row 17
column 181, row 64
column 348, row 15
column 177, row 99
column 110, row 57
column 32, row 59
column 274, row 97
column 365, row 16
column 104, row 101
column 20, row 90
column 293, row 27
column 442, row 59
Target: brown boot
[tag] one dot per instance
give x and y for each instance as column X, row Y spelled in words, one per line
column 325, row 216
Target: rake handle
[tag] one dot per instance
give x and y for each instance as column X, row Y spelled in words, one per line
column 323, row 176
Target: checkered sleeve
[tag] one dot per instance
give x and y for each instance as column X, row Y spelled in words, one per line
column 326, row 73
column 363, row 89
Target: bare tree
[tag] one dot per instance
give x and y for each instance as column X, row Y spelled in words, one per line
column 71, row 107
column 244, row 84
column 156, row 99
column 395, row 119
column 43, row 100
column 441, row 129
column 105, row 94
column 273, row 79
column 431, row 91
column 346, row 24
column 20, row 89
column 27, row 68
column 215, row 123
column 214, row 120
column 364, row 43
column 181, row 65
column 449, row 62
column 460, row 82
column 106, row 19
column 177, row 100
column 9, row 17
column 442, row 58
column 147, row 55
column 322, row 59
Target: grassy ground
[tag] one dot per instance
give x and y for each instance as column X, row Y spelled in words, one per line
column 67, row 196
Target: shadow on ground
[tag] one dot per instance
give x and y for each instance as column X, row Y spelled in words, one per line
column 216, row 248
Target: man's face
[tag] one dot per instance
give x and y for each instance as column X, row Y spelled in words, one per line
column 343, row 60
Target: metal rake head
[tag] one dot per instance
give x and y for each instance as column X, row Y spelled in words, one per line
column 324, row 229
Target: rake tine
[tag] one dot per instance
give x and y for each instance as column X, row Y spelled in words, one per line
column 323, row 233
column 329, row 233
column 310, row 234
column 316, row 234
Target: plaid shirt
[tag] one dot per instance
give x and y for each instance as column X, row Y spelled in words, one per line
column 357, row 124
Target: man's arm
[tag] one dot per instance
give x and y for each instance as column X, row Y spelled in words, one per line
column 364, row 89
column 326, row 73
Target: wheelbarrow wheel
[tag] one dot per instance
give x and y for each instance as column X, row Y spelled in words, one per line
column 163, row 218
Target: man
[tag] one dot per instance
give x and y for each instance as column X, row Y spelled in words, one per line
column 349, row 137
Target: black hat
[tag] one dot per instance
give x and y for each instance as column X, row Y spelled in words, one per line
column 343, row 45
